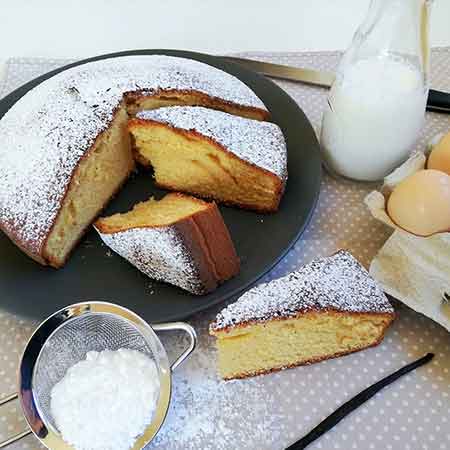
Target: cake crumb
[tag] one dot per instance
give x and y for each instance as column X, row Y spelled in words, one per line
column 260, row 143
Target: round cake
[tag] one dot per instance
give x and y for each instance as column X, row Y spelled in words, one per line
column 65, row 151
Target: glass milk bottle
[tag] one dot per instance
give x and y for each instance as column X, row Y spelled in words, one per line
column 376, row 106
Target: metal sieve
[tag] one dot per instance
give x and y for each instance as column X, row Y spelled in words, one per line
column 64, row 339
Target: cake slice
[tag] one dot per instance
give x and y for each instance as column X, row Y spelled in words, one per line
column 328, row 308
column 213, row 154
column 180, row 240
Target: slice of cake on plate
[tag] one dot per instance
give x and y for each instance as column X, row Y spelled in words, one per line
column 328, row 308
column 180, row 240
column 213, row 154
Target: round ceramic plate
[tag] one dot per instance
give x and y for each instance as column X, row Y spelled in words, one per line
column 94, row 272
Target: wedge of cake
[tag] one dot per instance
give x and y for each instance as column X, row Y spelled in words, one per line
column 213, row 154
column 328, row 308
column 180, row 240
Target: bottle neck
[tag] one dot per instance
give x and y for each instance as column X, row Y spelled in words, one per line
column 394, row 28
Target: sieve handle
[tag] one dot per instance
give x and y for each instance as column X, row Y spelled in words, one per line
column 183, row 327
column 18, row 436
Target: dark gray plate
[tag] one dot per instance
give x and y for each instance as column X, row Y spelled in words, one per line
column 95, row 273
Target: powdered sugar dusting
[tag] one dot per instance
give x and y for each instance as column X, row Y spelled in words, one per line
column 106, row 400
column 206, row 413
column 160, row 253
column 259, row 143
column 46, row 133
column 338, row 282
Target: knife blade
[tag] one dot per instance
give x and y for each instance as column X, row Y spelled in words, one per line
column 309, row 76
column 438, row 101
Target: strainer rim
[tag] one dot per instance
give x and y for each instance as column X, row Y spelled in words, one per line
column 40, row 427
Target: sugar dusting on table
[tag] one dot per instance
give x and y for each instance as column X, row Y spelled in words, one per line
column 105, row 401
column 208, row 413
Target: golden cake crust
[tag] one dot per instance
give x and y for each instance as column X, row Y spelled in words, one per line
column 208, row 251
column 215, row 331
column 334, row 283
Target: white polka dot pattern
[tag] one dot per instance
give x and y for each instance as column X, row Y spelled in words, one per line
column 272, row 411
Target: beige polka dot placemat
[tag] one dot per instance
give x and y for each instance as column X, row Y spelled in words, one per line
column 272, row 411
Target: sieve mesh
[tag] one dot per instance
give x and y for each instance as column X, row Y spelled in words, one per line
column 70, row 343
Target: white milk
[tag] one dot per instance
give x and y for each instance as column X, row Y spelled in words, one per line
column 376, row 114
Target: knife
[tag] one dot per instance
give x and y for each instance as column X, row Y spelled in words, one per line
column 438, row 101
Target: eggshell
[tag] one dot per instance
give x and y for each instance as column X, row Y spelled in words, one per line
column 420, row 203
column 439, row 158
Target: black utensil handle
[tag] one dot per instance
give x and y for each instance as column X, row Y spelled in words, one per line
column 438, row 101
column 355, row 402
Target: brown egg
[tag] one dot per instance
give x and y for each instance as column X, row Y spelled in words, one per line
column 439, row 158
column 420, row 204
